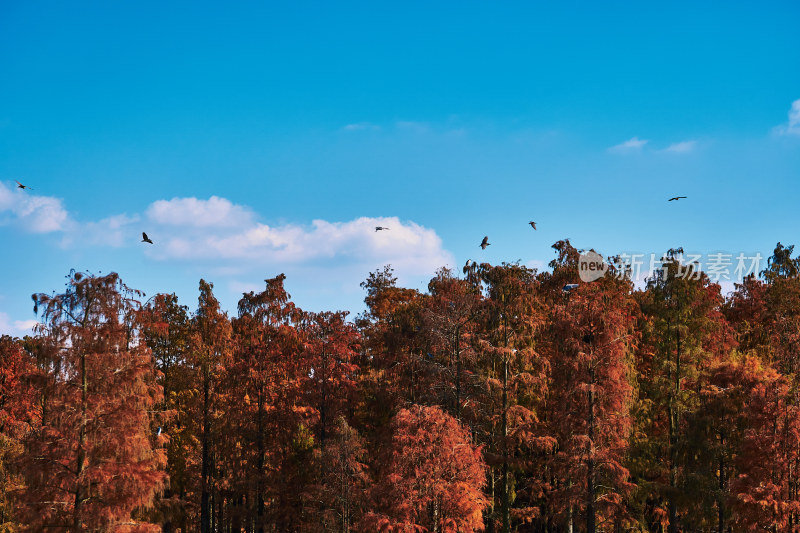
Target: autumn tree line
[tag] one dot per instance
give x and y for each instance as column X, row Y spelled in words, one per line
column 495, row 401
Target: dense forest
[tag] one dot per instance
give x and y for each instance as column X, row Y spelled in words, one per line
column 495, row 401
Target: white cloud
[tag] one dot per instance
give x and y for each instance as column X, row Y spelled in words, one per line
column 406, row 245
column 631, row 145
column 325, row 259
column 115, row 231
column 681, row 147
column 792, row 127
column 361, row 126
column 214, row 212
column 230, row 237
column 15, row 328
column 413, row 126
column 37, row 214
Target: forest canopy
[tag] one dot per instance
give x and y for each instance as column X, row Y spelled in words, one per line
column 501, row 399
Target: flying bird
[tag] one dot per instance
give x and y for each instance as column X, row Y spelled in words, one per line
column 145, row 238
column 380, row 228
column 21, row 186
column 676, row 198
column 533, row 224
column 485, row 243
column 569, row 286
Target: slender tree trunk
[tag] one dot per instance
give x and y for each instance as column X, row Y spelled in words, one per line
column 259, row 499
column 569, row 519
column 322, row 421
column 79, row 495
column 673, row 439
column 205, row 515
column 212, row 507
column 458, row 373
column 504, row 429
column 221, row 513
column 590, row 489
column 721, row 498
column 491, row 511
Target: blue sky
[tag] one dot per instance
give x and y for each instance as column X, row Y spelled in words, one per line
column 265, row 138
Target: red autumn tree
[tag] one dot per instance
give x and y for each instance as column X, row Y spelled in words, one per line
column 746, row 310
column 515, row 377
column 392, row 366
column 331, row 347
column 763, row 492
column 209, row 351
column 345, row 479
column 449, row 318
column 19, row 413
column 166, row 330
column 94, row 458
column 267, row 406
column 590, row 340
column 432, row 479
column 329, row 388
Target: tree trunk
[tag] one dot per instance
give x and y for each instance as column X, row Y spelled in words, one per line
column 673, row 440
column 458, row 373
column 721, row 498
column 79, row 496
column 590, row 490
column 506, row 500
column 259, row 499
column 205, row 515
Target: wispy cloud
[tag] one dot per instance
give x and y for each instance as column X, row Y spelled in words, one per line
column 681, row 147
column 17, row 328
column 633, row 144
column 214, row 236
column 359, row 126
column 413, row 126
column 792, row 127
column 228, row 235
column 33, row 212
column 326, row 259
column 115, row 231
column 215, row 212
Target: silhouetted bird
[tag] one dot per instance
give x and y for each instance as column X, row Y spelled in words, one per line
column 380, row 228
column 676, row 198
column 533, row 224
column 569, row 286
column 21, row 186
column 145, row 238
column 485, row 243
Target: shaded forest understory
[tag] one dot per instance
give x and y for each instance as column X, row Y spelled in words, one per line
column 497, row 401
